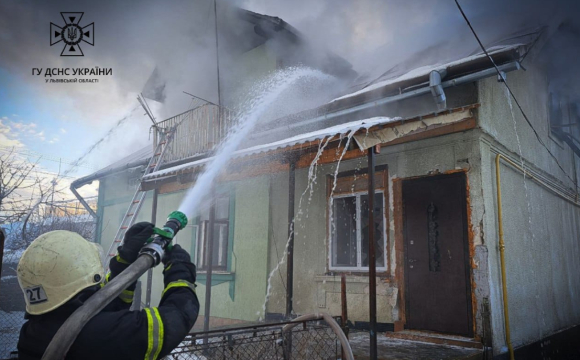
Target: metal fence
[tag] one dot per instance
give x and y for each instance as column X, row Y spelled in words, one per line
column 12, row 305
column 199, row 130
column 308, row 340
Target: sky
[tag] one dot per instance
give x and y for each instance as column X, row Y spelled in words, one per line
column 54, row 123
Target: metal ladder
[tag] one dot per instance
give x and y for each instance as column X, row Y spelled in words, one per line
column 139, row 197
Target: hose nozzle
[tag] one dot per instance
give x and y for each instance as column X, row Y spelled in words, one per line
column 179, row 217
column 162, row 238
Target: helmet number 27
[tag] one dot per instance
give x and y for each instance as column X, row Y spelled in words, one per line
column 35, row 294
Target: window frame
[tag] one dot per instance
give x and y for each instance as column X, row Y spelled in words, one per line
column 197, row 225
column 551, row 120
column 202, row 244
column 359, row 268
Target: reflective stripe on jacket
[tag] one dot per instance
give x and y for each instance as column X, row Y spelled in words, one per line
column 117, row 332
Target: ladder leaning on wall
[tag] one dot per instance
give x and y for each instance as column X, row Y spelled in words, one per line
column 137, row 201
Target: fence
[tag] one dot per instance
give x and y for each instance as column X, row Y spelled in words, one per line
column 309, row 340
column 199, row 130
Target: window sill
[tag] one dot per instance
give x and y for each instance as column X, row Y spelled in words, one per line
column 216, row 277
column 351, row 277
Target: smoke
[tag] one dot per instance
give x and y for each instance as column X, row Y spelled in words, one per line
column 378, row 35
column 131, row 37
column 178, row 39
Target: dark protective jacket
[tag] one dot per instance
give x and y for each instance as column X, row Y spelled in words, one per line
column 117, row 332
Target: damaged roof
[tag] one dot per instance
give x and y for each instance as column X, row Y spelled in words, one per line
column 437, row 56
column 394, row 81
column 291, row 46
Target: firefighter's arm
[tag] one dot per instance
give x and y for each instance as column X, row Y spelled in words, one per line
column 151, row 333
column 179, row 305
column 135, row 238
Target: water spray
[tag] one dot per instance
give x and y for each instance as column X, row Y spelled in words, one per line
column 149, row 256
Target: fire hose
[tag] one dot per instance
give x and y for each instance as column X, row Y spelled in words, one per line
column 347, row 351
column 149, row 256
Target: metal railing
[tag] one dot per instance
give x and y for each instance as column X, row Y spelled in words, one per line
column 311, row 339
column 198, row 131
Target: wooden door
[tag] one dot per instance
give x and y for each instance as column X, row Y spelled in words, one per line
column 438, row 291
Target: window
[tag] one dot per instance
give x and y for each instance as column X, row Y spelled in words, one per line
column 349, row 232
column 563, row 116
column 565, row 121
column 220, row 239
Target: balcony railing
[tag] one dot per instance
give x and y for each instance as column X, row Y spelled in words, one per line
column 198, row 131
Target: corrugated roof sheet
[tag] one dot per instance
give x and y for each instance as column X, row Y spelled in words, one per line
column 341, row 129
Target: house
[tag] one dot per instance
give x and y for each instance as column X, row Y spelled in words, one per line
column 475, row 208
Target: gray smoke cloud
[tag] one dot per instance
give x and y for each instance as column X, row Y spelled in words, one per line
column 376, row 35
column 178, row 38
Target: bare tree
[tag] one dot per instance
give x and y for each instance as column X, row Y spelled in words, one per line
column 17, row 180
column 31, row 203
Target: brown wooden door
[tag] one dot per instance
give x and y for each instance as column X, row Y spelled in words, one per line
column 438, row 293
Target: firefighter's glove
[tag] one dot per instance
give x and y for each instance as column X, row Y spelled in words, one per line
column 178, row 266
column 135, row 238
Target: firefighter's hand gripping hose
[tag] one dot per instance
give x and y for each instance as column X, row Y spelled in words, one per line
column 149, row 256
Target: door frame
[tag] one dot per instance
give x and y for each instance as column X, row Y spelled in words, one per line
column 401, row 247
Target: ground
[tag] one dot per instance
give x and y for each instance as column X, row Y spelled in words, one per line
column 398, row 349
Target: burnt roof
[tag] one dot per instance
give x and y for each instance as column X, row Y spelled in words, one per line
column 388, row 83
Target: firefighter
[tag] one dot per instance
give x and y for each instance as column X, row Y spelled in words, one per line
column 60, row 270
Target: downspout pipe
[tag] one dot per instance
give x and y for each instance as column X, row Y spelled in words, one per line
column 78, row 183
column 437, row 89
column 502, row 259
column 82, row 201
column 514, row 65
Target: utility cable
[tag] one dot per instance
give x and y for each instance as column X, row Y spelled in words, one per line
column 11, row 149
column 501, row 75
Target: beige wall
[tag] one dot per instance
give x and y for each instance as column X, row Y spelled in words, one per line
column 541, row 229
column 315, row 288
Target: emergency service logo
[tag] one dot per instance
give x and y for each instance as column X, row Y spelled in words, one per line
column 72, row 34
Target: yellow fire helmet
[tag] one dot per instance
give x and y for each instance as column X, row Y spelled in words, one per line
column 56, row 267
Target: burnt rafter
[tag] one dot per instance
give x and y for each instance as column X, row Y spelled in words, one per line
column 433, row 238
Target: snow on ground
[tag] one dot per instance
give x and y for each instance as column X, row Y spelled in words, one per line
column 400, row 349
